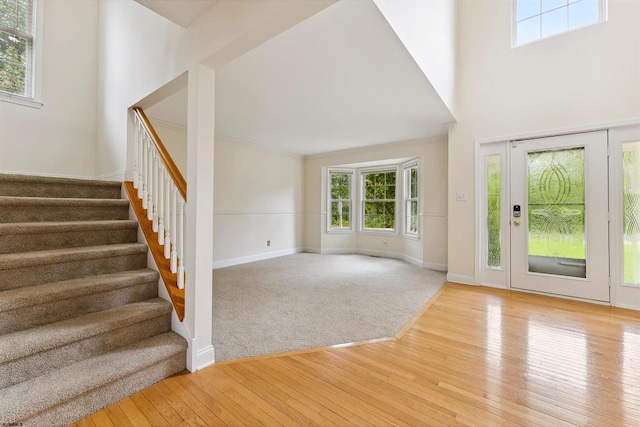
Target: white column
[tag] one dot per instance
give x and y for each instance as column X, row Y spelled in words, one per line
column 199, row 239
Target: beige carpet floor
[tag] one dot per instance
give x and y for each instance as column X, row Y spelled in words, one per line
column 308, row 300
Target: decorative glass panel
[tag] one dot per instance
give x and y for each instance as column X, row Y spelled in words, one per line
column 556, row 212
column 494, row 183
column 631, row 208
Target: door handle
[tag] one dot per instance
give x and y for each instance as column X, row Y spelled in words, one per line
column 516, row 223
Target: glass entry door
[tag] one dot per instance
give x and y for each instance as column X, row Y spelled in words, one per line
column 559, row 216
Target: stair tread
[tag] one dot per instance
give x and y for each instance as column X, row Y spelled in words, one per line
column 13, row 299
column 11, row 177
column 41, row 338
column 59, row 386
column 51, row 256
column 59, row 201
column 60, row 226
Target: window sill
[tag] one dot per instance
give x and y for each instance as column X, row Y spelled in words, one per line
column 411, row 236
column 20, row 100
column 339, row 231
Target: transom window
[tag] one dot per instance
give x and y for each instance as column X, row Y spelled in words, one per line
column 538, row 19
column 340, row 200
column 379, row 200
column 16, row 47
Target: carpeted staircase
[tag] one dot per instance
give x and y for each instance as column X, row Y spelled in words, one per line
column 81, row 324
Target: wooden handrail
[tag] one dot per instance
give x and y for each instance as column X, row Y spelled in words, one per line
column 173, row 170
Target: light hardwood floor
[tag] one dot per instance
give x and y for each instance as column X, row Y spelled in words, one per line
column 473, row 356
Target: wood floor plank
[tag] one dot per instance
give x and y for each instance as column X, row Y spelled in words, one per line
column 473, row 356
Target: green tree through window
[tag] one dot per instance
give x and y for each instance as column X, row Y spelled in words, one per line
column 340, row 200
column 16, row 46
column 379, row 200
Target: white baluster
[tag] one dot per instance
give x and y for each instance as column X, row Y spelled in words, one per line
column 141, row 161
column 181, row 246
column 174, row 211
column 167, row 210
column 160, row 208
column 145, row 168
column 150, row 181
column 154, row 200
column 136, row 159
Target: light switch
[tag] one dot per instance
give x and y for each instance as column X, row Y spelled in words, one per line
column 461, row 196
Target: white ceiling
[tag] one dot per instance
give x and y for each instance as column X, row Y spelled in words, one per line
column 341, row 79
column 182, row 12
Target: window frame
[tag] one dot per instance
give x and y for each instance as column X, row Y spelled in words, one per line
column 381, row 169
column 406, row 172
column 602, row 17
column 35, row 68
column 330, row 200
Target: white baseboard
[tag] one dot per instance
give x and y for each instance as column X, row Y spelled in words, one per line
column 311, row 250
column 204, row 357
column 435, row 266
column 53, row 175
column 458, row 278
column 253, row 258
column 338, row 251
column 414, row 261
column 628, row 306
column 113, row 176
column 493, row 285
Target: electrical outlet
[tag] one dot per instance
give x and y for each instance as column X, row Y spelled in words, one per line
column 268, row 242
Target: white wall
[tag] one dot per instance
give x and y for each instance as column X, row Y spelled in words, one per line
column 430, row 250
column 257, row 197
column 585, row 77
column 428, row 31
column 174, row 139
column 58, row 138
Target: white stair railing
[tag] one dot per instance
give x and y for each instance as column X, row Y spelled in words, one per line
column 162, row 190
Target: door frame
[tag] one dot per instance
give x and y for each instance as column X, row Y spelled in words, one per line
column 618, row 132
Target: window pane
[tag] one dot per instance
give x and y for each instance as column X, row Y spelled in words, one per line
column 583, row 12
column 554, row 22
column 17, row 14
column 493, row 211
column 13, row 63
column 340, row 186
column 379, row 215
column 548, row 5
column 413, row 225
column 340, row 215
column 528, row 30
column 414, row 183
column 631, row 208
column 527, row 8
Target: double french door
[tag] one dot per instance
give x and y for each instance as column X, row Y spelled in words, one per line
column 558, row 219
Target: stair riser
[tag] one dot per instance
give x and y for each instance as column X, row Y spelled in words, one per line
column 30, row 317
column 19, row 213
column 34, row 189
column 93, row 401
column 46, row 273
column 20, row 370
column 14, row 243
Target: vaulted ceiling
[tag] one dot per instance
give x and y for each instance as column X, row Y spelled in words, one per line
column 340, row 79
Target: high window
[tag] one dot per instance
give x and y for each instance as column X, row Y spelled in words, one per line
column 16, row 47
column 411, row 199
column 538, row 19
column 379, row 200
column 340, row 200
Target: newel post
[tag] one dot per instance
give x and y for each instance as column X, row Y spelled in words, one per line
column 199, row 240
